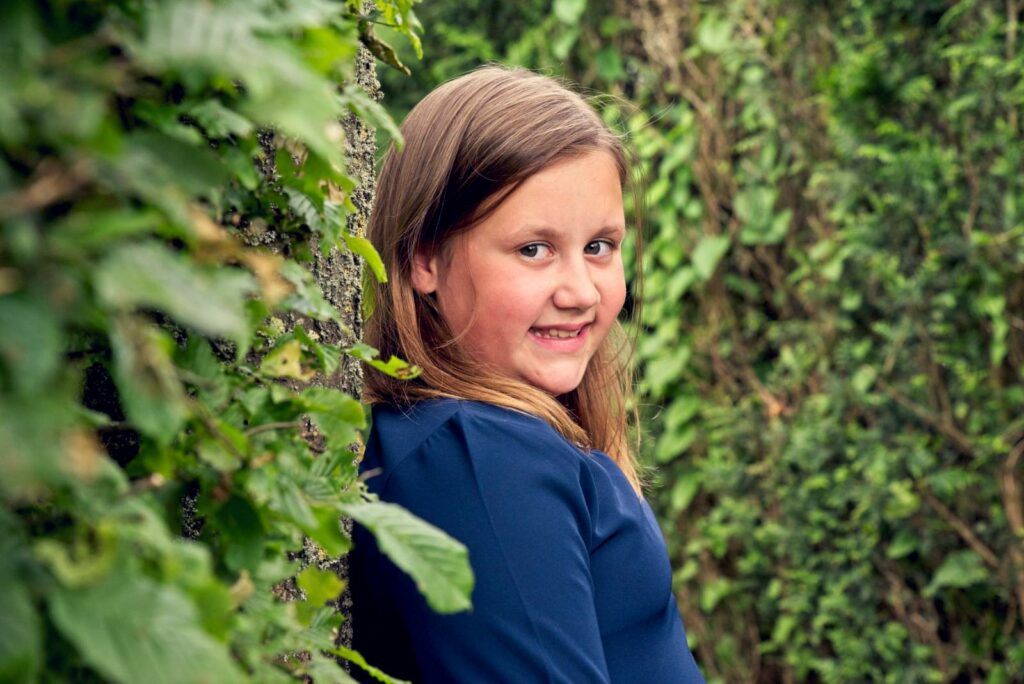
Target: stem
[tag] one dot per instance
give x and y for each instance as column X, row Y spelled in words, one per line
column 267, row 427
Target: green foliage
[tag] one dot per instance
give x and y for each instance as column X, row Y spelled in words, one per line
column 436, row 563
column 831, row 345
column 165, row 169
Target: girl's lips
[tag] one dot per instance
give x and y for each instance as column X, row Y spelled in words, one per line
column 562, row 344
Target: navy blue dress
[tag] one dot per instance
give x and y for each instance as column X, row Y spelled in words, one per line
column 573, row 582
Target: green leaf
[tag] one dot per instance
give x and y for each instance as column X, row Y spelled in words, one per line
column 905, row 543
column 365, row 249
column 569, row 11
column 133, row 630
column 438, row 564
column 328, row 355
column 357, row 658
column 708, row 253
column 713, row 592
column 673, row 443
column 20, row 633
column 356, row 99
column 327, row 531
column 285, row 361
column 609, row 64
column 32, row 434
column 320, row 586
column 714, row 33
column 165, row 171
column 147, row 382
column 243, row 533
column 223, row 42
column 219, row 121
column 30, row 343
column 394, row 366
column 563, row 44
column 380, row 49
column 307, row 299
column 98, row 230
column 291, row 501
column 864, row 378
column 336, row 414
column 148, row 275
column 960, row 569
column 685, row 489
column 215, row 454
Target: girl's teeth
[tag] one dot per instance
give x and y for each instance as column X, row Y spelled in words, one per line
column 559, row 334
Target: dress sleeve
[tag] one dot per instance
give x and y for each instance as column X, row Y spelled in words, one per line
column 511, row 490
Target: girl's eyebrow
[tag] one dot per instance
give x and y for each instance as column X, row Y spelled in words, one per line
column 542, row 231
column 534, row 230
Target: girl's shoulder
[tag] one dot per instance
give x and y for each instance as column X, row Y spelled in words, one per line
column 498, row 444
column 475, row 423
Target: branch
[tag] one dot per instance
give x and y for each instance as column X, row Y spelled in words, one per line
column 958, row 524
column 958, row 439
column 52, row 182
column 1014, row 506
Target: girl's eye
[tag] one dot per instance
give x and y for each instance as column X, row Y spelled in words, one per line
column 534, row 251
column 598, row 248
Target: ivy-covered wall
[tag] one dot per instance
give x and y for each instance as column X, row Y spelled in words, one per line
column 832, row 339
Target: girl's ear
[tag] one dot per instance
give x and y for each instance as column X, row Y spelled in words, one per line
column 425, row 273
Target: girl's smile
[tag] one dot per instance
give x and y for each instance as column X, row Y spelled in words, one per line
column 534, row 288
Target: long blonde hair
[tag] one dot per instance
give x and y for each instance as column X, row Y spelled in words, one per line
column 468, row 145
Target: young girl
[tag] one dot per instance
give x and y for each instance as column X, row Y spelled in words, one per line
column 501, row 224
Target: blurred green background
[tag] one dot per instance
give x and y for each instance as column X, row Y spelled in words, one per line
column 832, row 338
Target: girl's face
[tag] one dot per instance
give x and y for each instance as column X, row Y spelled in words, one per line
column 534, row 288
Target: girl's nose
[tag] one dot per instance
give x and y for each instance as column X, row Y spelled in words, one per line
column 576, row 288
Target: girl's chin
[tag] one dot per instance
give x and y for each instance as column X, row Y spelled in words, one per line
column 557, row 386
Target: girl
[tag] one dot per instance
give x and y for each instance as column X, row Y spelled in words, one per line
column 501, row 224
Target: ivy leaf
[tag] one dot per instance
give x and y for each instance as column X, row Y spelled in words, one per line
column 569, row 11
column 960, row 569
column 133, row 630
column 714, row 33
column 708, row 253
column 365, row 249
column 438, row 564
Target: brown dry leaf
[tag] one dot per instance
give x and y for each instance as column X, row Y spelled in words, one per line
column 242, row 589
column 82, row 454
column 267, row 269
